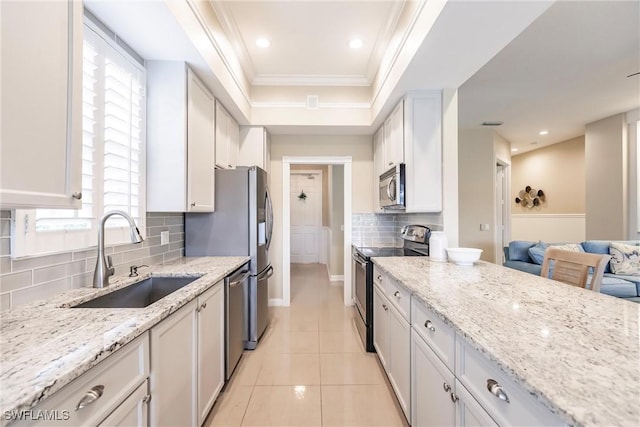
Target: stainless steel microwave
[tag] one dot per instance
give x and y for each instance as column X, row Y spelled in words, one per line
column 392, row 188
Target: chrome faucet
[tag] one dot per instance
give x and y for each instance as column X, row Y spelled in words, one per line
column 104, row 265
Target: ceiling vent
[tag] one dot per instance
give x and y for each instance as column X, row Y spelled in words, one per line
column 492, row 123
column 312, row 102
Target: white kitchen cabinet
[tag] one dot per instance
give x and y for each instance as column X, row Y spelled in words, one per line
column 469, row 413
column 173, row 380
column 100, row 392
column 210, row 349
column 392, row 341
column 255, row 147
column 379, row 166
column 133, row 412
column 41, row 104
column 227, row 139
column 187, row 361
column 180, row 140
column 394, row 137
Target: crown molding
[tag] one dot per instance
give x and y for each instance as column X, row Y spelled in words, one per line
column 308, row 80
column 321, row 105
column 384, row 38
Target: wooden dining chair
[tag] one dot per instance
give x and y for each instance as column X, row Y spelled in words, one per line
column 573, row 267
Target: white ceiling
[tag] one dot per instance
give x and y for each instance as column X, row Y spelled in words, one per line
column 567, row 69
column 309, row 39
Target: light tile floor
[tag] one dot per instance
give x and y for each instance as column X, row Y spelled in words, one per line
column 309, row 368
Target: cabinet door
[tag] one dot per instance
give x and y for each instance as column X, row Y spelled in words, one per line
column 468, row 410
column 394, row 137
column 399, row 361
column 379, row 166
column 133, row 412
column 431, row 387
column 173, row 369
column 200, row 146
column 381, row 326
column 222, row 137
column 210, row 348
column 233, row 143
column 41, row 103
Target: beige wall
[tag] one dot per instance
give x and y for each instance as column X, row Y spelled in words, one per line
column 359, row 147
column 336, row 261
column 325, row 187
column 606, row 160
column 476, row 172
column 558, row 170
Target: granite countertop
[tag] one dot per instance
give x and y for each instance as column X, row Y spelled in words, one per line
column 575, row 350
column 45, row 345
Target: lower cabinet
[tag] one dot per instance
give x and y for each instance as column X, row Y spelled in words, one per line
column 391, row 339
column 132, row 412
column 438, row 398
column 104, row 395
column 187, row 361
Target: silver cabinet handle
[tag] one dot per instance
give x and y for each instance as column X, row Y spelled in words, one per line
column 454, row 397
column 90, row 397
column 446, row 387
column 385, row 307
column 77, row 195
column 496, row 389
column 429, row 325
column 390, row 163
column 396, row 294
column 146, row 399
column 230, row 166
column 193, row 204
column 204, row 306
column 380, row 277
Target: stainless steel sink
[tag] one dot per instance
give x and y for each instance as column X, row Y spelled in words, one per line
column 139, row 295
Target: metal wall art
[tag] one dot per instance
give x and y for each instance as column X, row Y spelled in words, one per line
column 530, row 197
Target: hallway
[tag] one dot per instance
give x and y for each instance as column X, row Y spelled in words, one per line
column 309, row 368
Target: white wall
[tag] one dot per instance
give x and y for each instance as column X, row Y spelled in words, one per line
column 548, row 227
column 336, row 255
column 359, row 147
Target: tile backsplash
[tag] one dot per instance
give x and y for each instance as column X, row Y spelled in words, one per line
column 380, row 230
column 28, row 279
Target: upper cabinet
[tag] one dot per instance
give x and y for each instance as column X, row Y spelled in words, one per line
column 227, row 139
column 41, row 80
column 255, row 147
column 413, row 134
column 180, row 140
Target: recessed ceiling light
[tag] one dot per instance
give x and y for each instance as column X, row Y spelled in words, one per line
column 543, row 132
column 355, row 44
column 513, row 150
column 263, row 42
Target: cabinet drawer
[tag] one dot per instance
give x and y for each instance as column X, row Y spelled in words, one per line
column 119, row 375
column 439, row 335
column 477, row 374
column 398, row 296
column 378, row 277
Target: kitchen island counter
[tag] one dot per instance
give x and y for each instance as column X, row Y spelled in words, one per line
column 575, row 350
column 45, row 345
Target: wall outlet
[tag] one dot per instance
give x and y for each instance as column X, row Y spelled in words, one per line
column 484, row 227
column 164, row 238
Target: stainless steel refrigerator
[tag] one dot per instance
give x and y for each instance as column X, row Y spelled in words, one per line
column 242, row 224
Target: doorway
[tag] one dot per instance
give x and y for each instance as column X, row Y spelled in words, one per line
column 346, row 162
column 306, row 200
column 502, row 210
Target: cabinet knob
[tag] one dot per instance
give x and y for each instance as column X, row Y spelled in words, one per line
column 204, row 305
column 396, row 294
column 379, row 277
column 385, row 307
column 454, row 397
column 91, row 396
column 77, row 195
column 496, row 389
column 429, row 325
column 390, row 163
column 146, row 399
column 446, row 387
column 193, row 204
column 230, row 166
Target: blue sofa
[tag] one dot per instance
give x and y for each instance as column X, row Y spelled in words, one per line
column 517, row 255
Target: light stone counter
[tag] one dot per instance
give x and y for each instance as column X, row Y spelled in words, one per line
column 575, row 350
column 45, row 345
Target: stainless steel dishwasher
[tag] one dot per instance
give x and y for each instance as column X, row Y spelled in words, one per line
column 236, row 288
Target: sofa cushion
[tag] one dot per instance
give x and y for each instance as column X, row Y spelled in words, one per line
column 617, row 287
column 598, row 247
column 536, row 252
column 633, row 279
column 519, row 250
column 625, row 259
column 524, row 266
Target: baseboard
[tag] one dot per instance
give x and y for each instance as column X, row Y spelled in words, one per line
column 276, row 302
column 336, row 277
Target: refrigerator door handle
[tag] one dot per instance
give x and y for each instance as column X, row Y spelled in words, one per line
column 268, row 272
column 269, row 217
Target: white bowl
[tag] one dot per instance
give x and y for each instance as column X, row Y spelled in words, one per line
column 464, row 256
